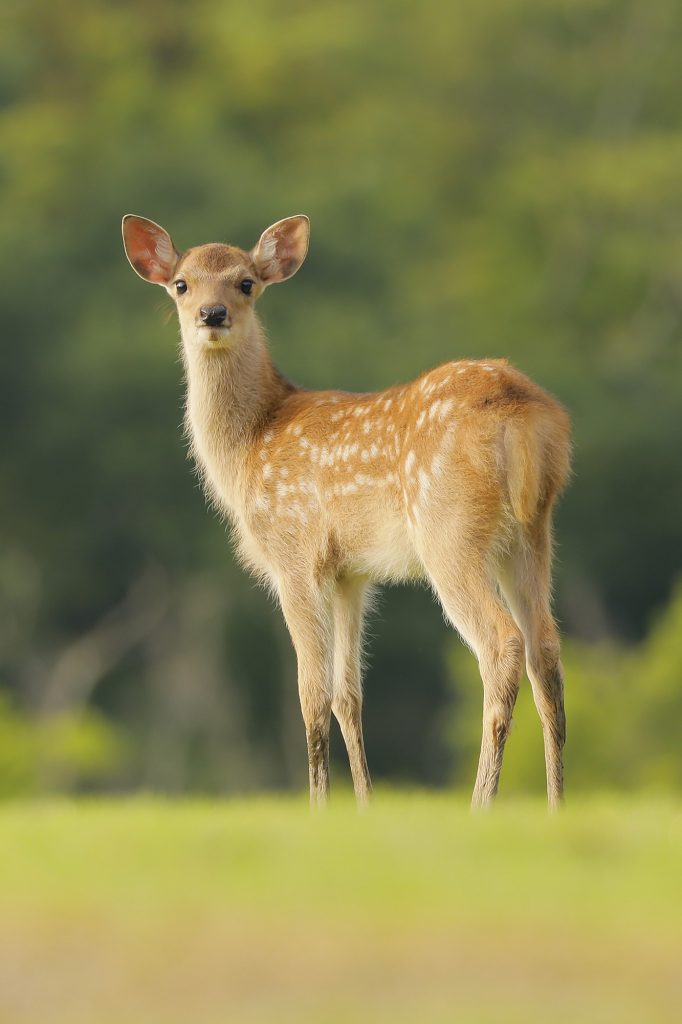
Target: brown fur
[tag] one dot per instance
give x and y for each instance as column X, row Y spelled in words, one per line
column 451, row 478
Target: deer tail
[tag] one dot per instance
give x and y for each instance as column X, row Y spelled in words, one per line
column 537, row 448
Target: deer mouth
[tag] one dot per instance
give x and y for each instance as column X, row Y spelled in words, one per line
column 213, row 337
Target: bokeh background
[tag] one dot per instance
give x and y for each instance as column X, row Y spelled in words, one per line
column 483, row 179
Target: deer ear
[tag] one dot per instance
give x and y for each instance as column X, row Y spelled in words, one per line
column 149, row 249
column 281, row 249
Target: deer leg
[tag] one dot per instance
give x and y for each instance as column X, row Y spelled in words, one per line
column 308, row 614
column 349, row 605
column 472, row 605
column 500, row 659
column 524, row 578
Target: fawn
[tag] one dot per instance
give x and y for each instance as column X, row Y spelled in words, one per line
column 450, row 479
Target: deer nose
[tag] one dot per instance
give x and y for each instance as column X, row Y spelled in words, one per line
column 213, row 316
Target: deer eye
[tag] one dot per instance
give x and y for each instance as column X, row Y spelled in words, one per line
column 246, row 286
column 181, row 287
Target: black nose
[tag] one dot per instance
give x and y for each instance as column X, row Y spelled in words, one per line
column 213, row 316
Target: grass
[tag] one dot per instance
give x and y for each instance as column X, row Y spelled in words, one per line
column 252, row 911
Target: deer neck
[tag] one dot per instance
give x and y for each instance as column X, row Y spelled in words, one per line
column 231, row 394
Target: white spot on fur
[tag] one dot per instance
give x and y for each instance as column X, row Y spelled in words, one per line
column 373, row 451
column 364, row 455
column 284, row 471
column 267, row 470
column 298, row 511
column 387, row 404
column 366, row 426
column 445, row 407
column 409, row 462
column 263, row 454
column 448, row 434
column 298, row 430
column 421, row 418
column 267, row 437
column 437, row 465
column 262, row 502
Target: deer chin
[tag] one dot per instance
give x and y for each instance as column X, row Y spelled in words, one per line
column 214, row 337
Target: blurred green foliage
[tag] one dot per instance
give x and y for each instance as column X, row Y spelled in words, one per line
column 483, row 179
column 61, row 753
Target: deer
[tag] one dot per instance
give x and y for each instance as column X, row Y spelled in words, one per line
column 449, row 480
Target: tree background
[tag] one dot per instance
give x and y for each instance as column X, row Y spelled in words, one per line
column 483, row 179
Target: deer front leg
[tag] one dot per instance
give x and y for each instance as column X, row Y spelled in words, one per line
column 308, row 615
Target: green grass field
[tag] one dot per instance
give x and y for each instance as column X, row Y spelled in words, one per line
column 148, row 911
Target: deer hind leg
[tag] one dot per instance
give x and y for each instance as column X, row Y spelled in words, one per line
column 469, row 597
column 524, row 578
column 307, row 609
column 349, row 607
